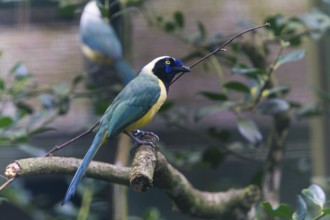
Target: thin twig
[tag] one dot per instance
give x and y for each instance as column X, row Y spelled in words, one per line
column 6, row 183
column 221, row 48
column 56, row 148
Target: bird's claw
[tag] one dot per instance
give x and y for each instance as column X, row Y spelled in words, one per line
column 139, row 133
column 137, row 137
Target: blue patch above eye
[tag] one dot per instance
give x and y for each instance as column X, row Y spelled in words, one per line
column 178, row 62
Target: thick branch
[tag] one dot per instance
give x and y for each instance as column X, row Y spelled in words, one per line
column 232, row 204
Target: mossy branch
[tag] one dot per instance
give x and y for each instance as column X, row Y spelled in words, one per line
column 231, row 204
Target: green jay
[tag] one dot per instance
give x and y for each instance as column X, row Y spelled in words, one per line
column 134, row 107
column 99, row 42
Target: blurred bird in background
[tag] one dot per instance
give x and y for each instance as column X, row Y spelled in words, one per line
column 100, row 44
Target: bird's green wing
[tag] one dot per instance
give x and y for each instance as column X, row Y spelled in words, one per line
column 132, row 103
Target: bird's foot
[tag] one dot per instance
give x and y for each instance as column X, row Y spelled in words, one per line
column 140, row 133
column 143, row 138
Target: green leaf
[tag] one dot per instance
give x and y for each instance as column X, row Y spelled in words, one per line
column 326, row 211
column 24, row 107
column 273, row 106
column 237, row 86
column 214, row 156
column 309, row 110
column 179, row 19
column 301, row 209
column 291, row 57
column 214, row 96
column 151, row 213
column 48, row 101
column 104, row 10
column 277, row 24
column 67, row 12
column 20, row 71
column 249, row 130
column 317, row 21
column 276, row 90
column 2, row 84
column 243, row 70
column 6, row 121
column 222, row 135
column 201, row 30
column 202, row 112
column 283, row 211
column 169, row 27
column 77, row 80
column 315, row 195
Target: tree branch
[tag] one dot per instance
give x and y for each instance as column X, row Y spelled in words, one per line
column 232, row 204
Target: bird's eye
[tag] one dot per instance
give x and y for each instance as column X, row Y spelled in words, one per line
column 167, row 62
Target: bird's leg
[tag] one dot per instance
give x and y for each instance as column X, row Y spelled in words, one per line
column 139, row 137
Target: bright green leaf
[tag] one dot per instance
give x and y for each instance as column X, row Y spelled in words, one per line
column 6, row 121
column 326, row 211
column 236, row 86
column 283, row 211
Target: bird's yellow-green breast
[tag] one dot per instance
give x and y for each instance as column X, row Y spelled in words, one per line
column 146, row 119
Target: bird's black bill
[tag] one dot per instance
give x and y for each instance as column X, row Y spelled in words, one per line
column 181, row 69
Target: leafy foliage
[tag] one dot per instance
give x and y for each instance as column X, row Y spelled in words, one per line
column 33, row 107
column 310, row 205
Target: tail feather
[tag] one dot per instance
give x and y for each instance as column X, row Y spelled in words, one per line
column 99, row 139
column 124, row 70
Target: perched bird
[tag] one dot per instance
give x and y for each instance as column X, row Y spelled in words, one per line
column 134, row 107
column 99, row 42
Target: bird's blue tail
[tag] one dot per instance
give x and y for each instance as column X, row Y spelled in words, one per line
column 99, row 139
column 124, row 70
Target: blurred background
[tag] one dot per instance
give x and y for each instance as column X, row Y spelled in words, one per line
column 268, row 91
